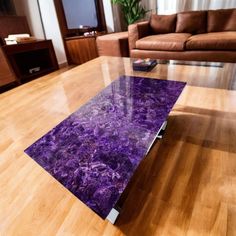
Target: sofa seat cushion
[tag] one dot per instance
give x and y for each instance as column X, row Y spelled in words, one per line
column 212, row 41
column 163, row 42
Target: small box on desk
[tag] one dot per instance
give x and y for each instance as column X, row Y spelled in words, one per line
column 144, row 64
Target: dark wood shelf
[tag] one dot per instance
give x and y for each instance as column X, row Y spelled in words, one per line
column 37, row 74
column 26, row 57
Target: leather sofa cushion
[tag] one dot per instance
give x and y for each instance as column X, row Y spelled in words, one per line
column 191, row 22
column 115, row 44
column 212, row 41
column 221, row 20
column 163, row 42
column 163, row 24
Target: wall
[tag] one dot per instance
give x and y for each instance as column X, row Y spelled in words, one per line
column 52, row 29
column 115, row 20
column 108, row 15
column 29, row 8
column 173, row 6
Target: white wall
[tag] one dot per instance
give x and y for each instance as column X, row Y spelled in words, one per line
column 29, row 8
column 52, row 29
column 108, row 15
column 173, row 6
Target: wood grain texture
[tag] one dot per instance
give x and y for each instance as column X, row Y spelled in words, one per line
column 26, row 56
column 6, row 74
column 81, row 49
column 186, row 185
column 13, row 25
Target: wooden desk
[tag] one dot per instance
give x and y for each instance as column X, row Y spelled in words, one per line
column 31, row 60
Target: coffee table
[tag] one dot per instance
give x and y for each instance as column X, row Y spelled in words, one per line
column 188, row 176
column 96, row 150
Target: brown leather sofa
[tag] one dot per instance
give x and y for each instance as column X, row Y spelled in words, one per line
column 195, row 35
column 115, row 44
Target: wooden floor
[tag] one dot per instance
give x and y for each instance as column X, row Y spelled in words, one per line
column 186, row 185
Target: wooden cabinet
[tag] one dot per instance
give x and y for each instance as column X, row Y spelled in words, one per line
column 6, row 74
column 25, row 61
column 81, row 49
column 31, row 60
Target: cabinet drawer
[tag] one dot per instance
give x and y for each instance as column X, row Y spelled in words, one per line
column 6, row 75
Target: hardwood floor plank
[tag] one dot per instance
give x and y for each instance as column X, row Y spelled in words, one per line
column 185, row 186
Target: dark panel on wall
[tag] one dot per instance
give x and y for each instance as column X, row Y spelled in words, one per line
column 13, row 25
column 7, row 8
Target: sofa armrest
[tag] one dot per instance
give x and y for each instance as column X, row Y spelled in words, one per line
column 137, row 31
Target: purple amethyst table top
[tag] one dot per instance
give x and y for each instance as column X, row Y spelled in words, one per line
column 95, row 151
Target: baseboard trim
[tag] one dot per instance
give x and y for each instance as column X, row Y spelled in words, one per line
column 63, row 64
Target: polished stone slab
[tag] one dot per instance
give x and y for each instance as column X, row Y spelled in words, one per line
column 95, row 151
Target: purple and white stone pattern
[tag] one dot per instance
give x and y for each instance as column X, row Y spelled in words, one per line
column 95, row 151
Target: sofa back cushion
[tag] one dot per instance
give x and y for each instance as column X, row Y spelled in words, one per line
column 163, row 24
column 193, row 22
column 221, row 20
